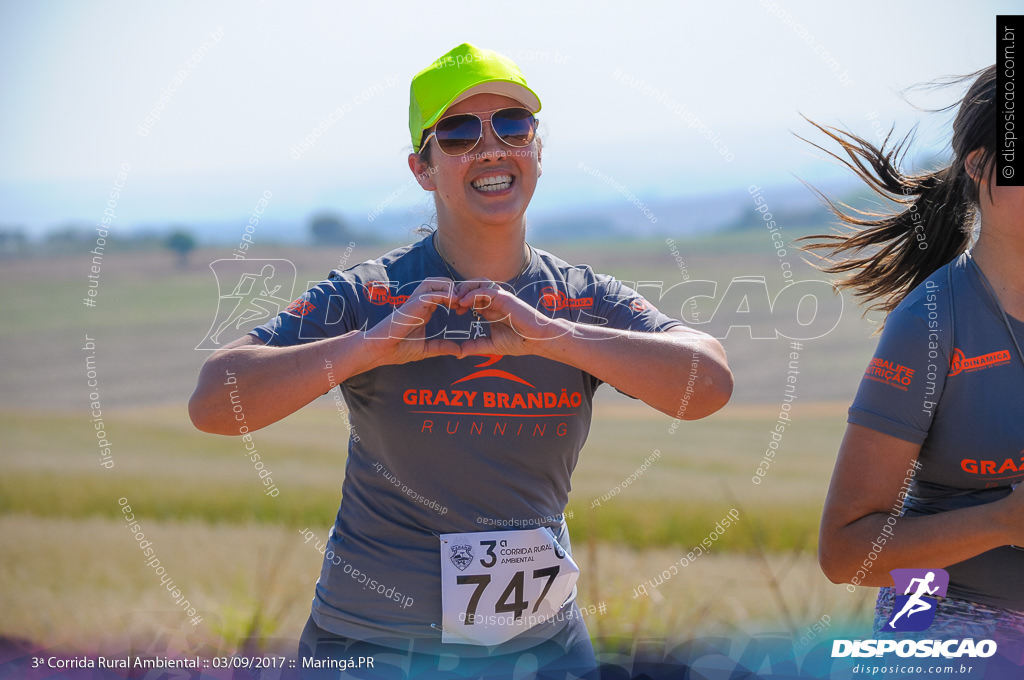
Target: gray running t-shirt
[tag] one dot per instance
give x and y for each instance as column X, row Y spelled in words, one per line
column 957, row 392
column 445, row 445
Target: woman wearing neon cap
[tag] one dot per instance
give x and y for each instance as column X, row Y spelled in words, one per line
column 468, row 360
column 934, row 443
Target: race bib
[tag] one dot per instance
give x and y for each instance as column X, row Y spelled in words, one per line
column 498, row 584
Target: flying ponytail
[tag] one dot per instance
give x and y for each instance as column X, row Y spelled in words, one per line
column 891, row 253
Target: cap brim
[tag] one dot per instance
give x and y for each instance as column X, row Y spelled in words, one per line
column 505, row 88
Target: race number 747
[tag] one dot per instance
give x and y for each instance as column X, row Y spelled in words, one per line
column 497, row 584
column 513, row 590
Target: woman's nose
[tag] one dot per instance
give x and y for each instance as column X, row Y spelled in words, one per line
column 490, row 145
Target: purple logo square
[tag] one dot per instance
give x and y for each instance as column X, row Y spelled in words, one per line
column 914, row 609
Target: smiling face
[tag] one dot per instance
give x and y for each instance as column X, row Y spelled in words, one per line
column 492, row 185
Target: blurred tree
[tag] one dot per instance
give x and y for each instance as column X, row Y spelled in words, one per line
column 329, row 229
column 183, row 243
column 67, row 238
column 12, row 241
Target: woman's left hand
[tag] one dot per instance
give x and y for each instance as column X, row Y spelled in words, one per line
column 516, row 328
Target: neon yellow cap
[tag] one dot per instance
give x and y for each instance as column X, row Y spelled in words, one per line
column 461, row 73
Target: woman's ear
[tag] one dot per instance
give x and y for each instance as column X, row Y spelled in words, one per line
column 973, row 165
column 423, row 172
column 540, row 168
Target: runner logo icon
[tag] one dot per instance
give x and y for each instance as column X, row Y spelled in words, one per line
column 914, row 610
column 249, row 293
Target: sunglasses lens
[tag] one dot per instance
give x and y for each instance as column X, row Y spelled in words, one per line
column 515, row 126
column 457, row 134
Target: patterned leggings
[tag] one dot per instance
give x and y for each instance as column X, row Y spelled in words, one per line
column 959, row 619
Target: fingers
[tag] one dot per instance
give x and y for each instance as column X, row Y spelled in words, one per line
column 416, row 310
column 480, row 346
column 500, row 307
column 441, row 347
column 486, row 298
column 503, row 339
column 435, row 285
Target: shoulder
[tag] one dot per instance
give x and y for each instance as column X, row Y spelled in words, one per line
column 930, row 298
column 576, row 275
column 398, row 266
column 925, row 315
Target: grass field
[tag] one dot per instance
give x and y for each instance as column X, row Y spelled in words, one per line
column 70, row 573
column 74, row 573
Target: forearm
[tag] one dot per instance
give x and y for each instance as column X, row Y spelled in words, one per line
column 866, row 550
column 681, row 373
column 261, row 384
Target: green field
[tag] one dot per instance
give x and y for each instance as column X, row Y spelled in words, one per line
column 71, row 574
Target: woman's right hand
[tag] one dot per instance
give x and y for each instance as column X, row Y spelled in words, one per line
column 401, row 336
column 269, row 383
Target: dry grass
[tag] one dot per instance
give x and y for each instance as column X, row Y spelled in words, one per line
column 71, row 574
column 84, row 584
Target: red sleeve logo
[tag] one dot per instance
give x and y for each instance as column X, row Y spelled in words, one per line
column 379, row 293
column 958, row 363
column 554, row 299
column 638, row 304
column 300, row 307
column 889, row 373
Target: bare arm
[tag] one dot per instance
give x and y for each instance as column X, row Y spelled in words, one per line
column 654, row 367
column 269, row 383
column 866, row 483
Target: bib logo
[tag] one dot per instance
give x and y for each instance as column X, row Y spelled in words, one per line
column 915, row 608
column 462, row 556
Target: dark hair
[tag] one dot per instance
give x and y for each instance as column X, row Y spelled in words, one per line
column 893, row 252
column 428, row 227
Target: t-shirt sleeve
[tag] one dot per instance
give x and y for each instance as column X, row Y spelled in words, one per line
column 903, row 381
column 324, row 311
column 625, row 309
column 616, row 305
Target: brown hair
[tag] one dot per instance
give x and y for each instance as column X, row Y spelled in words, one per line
column 891, row 253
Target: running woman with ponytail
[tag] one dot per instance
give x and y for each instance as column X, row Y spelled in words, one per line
column 469, row 361
column 940, row 408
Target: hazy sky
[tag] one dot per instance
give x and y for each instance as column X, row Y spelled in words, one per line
column 77, row 80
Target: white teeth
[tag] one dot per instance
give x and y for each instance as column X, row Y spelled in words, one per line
column 496, row 183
